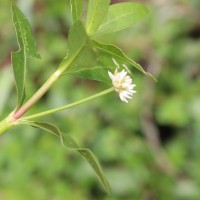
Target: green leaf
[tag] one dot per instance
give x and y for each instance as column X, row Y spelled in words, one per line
column 80, row 51
column 77, row 38
column 19, row 69
column 76, row 9
column 70, row 143
column 121, row 16
column 97, row 10
column 98, row 73
column 27, row 48
column 5, row 91
column 110, row 51
column 24, row 34
column 107, row 53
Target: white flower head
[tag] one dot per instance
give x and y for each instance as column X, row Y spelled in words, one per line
column 122, row 84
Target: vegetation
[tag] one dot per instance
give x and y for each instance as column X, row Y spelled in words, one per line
column 148, row 148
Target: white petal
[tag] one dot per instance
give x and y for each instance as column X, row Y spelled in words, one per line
column 123, row 98
column 127, row 95
column 111, row 75
column 130, row 87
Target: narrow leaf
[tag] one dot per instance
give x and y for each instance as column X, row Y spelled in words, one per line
column 5, row 91
column 19, row 69
column 106, row 53
column 27, row 48
column 98, row 73
column 70, row 143
column 112, row 51
column 24, row 34
column 76, row 9
column 121, row 16
column 97, row 10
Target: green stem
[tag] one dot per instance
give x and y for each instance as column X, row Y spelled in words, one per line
column 6, row 124
column 37, row 95
column 65, row 64
column 68, row 106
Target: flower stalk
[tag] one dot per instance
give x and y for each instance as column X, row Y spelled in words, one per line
column 45, row 113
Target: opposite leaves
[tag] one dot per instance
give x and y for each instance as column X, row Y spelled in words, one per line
column 106, row 54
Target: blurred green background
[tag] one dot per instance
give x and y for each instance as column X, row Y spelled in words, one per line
column 149, row 148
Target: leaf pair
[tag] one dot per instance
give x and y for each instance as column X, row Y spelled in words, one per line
column 107, row 52
column 102, row 19
column 69, row 143
column 27, row 49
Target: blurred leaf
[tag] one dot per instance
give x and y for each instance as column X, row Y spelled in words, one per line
column 97, row 10
column 172, row 111
column 24, row 34
column 79, row 48
column 121, row 16
column 69, row 142
column 76, row 9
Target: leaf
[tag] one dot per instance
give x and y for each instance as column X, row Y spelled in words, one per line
column 105, row 63
column 80, row 51
column 98, row 73
column 76, row 9
column 19, row 69
column 77, row 38
column 111, row 51
column 121, row 16
column 24, row 34
column 97, row 10
column 106, row 54
column 27, row 48
column 5, row 91
column 70, row 143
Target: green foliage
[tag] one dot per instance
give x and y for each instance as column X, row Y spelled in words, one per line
column 79, row 47
column 33, row 165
